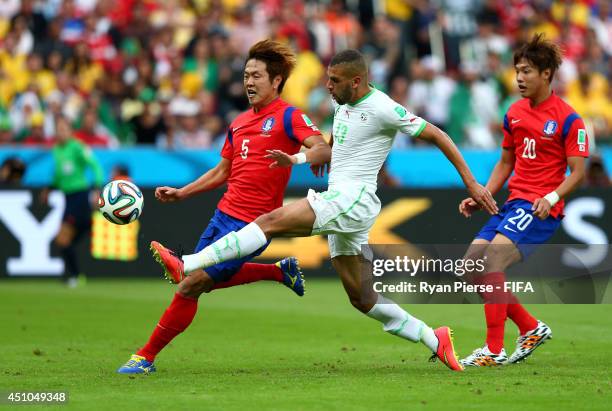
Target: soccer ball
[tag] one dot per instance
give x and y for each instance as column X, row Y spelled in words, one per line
column 121, row 202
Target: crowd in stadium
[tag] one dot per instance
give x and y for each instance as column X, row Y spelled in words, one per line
column 170, row 72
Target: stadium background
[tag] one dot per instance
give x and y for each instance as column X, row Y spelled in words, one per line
column 152, row 85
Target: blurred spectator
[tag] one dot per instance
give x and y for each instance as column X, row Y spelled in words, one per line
column 345, row 28
column 231, row 96
column 320, row 108
column 6, row 129
column 35, row 136
column 57, row 56
column 588, row 94
column 11, row 172
column 292, row 26
column 203, row 65
column 384, row 52
column 24, row 106
column 458, row 24
column 473, row 110
column 188, row 133
column 81, row 67
column 429, row 94
column 305, row 76
column 149, row 125
column 601, row 22
column 596, row 174
column 99, row 43
column 13, row 68
column 39, row 75
column 250, row 26
column 23, row 36
column 34, row 21
column 8, row 8
column 92, row 132
column 52, row 43
column 399, row 92
column 178, row 14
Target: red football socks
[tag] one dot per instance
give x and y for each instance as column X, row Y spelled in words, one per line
column 495, row 315
column 520, row 316
column 495, row 310
column 174, row 321
column 251, row 272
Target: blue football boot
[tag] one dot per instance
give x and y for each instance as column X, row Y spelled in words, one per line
column 292, row 275
column 137, row 365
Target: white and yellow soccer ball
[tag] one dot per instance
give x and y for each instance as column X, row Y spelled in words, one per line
column 121, row 202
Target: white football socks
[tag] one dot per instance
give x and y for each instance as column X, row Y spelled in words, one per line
column 230, row 247
column 398, row 322
column 429, row 339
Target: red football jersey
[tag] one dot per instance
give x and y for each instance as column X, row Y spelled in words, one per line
column 542, row 138
column 253, row 188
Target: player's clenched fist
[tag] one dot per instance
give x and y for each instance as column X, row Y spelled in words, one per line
column 167, row 194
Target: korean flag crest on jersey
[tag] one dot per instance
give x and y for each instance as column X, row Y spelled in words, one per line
column 267, row 125
column 550, row 127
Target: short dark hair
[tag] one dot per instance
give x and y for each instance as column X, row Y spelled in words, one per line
column 353, row 58
column 280, row 59
column 542, row 53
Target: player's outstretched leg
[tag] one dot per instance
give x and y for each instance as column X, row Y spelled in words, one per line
column 171, row 262
column 394, row 319
column 528, row 342
column 286, row 272
column 177, row 317
column 398, row 322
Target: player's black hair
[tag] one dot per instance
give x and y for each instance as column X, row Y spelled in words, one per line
column 542, row 53
column 353, row 59
column 280, row 59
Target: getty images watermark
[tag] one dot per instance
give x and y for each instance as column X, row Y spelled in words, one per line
column 456, row 274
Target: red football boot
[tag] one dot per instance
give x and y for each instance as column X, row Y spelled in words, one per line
column 446, row 349
column 174, row 269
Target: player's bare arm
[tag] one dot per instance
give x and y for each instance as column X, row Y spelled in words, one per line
column 317, row 152
column 212, row 179
column 541, row 206
column 319, row 169
column 500, row 174
column 481, row 195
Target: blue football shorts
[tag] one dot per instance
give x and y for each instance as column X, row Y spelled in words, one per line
column 517, row 222
column 221, row 224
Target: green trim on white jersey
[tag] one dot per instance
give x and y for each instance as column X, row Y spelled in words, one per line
column 363, row 135
column 372, row 89
column 420, row 130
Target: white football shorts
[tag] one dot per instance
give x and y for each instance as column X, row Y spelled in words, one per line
column 346, row 214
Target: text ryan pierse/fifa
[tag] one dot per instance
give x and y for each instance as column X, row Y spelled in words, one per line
column 456, row 287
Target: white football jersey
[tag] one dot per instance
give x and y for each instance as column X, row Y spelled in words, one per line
column 363, row 135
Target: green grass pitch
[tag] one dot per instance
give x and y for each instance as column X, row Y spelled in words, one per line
column 261, row 347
